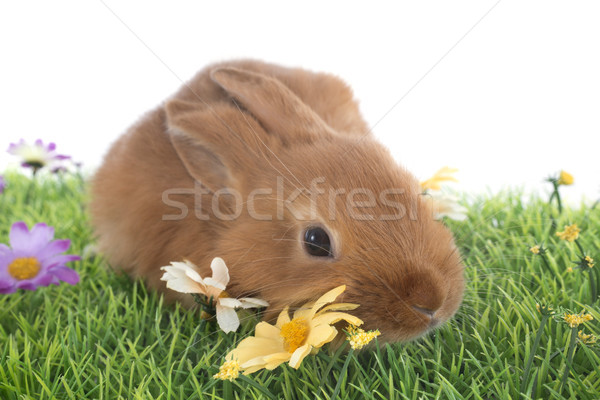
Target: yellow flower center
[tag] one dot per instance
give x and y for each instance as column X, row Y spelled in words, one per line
column 224, row 294
column 294, row 333
column 24, row 268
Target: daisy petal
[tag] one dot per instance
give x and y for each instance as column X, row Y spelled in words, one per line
column 66, row 274
column 327, row 298
column 299, row 355
column 272, row 361
column 284, row 317
column 19, row 235
column 214, row 283
column 339, row 307
column 333, row 317
column 227, row 319
column 220, row 271
column 266, row 330
column 249, row 302
column 185, row 286
column 229, row 302
column 321, row 334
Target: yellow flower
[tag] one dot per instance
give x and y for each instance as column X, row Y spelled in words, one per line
column 230, row 370
column 570, row 233
column 574, row 320
column 292, row 340
column 587, row 339
column 535, row 249
column 565, row 178
column 444, row 174
column 590, row 261
column 570, row 269
column 359, row 338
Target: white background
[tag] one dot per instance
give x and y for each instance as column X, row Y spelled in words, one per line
column 508, row 98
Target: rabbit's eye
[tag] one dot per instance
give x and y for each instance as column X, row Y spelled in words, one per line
column 317, row 243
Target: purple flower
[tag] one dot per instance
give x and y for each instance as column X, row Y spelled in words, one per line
column 34, row 259
column 2, row 184
column 36, row 156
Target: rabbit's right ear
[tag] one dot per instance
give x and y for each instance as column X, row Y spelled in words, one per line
column 214, row 143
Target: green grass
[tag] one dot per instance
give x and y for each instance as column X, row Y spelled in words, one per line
column 109, row 338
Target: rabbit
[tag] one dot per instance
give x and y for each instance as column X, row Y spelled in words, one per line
column 274, row 170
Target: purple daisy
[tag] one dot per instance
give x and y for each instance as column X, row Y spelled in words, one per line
column 36, row 156
column 34, row 259
column 2, row 184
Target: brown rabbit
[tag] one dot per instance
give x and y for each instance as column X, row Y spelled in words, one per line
column 273, row 169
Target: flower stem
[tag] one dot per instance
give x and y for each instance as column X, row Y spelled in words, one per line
column 30, row 189
column 558, row 200
column 593, row 289
column 342, row 374
column 570, row 354
column 545, row 260
column 536, row 344
column 580, row 248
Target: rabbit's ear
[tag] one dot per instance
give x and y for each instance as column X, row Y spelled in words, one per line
column 216, row 144
column 278, row 109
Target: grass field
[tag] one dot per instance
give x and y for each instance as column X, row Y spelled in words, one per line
column 108, row 338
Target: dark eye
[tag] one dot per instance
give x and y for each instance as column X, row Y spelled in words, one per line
column 317, row 243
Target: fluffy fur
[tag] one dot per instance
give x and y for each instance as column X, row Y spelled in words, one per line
column 246, row 125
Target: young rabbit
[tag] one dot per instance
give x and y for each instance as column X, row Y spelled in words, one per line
column 274, row 170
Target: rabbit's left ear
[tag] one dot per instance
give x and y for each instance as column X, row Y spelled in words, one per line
column 275, row 106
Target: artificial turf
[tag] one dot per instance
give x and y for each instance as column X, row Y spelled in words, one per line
column 108, row 337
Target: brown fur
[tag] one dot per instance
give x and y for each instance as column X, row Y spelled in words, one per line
column 243, row 125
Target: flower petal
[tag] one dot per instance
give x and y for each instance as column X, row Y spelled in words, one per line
column 250, row 302
column 227, row 319
column 229, row 302
column 339, row 307
column 253, row 347
column 266, row 330
column 19, row 235
column 185, row 285
column 274, row 360
column 284, row 317
column 333, row 317
column 299, row 355
column 220, row 271
column 53, row 248
column 320, row 335
column 214, row 283
column 328, row 297
column 65, row 274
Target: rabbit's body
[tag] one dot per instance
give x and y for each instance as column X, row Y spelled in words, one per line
column 258, row 155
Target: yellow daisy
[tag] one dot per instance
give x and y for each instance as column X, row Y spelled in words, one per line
column 290, row 340
column 565, row 178
column 444, row 174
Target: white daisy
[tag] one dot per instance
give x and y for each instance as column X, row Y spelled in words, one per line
column 182, row 277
